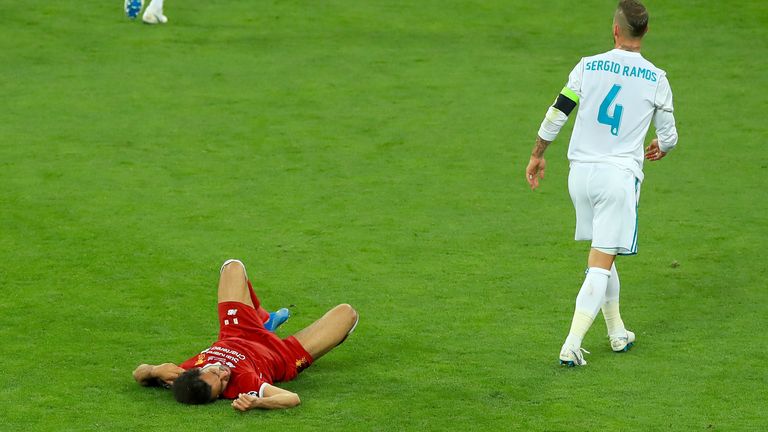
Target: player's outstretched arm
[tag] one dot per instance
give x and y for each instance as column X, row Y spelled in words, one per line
column 157, row 375
column 272, row 398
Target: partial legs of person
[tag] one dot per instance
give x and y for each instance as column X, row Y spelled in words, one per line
column 605, row 199
column 154, row 13
column 621, row 339
column 234, row 285
column 316, row 340
column 588, row 303
column 329, row 331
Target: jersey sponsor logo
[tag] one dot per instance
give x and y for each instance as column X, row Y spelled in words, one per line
column 618, row 69
column 226, row 356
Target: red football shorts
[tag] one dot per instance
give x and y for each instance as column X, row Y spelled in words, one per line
column 239, row 320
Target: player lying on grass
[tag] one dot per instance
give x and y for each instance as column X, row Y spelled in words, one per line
column 247, row 358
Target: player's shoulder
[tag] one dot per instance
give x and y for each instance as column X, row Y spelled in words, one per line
column 659, row 70
column 632, row 58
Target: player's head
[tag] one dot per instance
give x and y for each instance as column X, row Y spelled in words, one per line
column 630, row 20
column 201, row 385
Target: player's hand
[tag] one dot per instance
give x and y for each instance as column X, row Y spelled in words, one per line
column 653, row 152
column 167, row 372
column 244, row 402
column 535, row 171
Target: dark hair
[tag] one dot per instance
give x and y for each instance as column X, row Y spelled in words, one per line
column 189, row 388
column 636, row 16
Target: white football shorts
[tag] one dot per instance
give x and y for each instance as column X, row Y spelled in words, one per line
column 605, row 197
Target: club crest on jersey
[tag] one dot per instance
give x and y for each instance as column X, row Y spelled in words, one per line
column 302, row 364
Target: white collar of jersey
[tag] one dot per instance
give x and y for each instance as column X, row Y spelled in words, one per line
column 626, row 53
column 209, row 365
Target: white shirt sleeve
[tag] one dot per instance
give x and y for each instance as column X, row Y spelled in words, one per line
column 664, row 118
column 575, row 78
column 553, row 121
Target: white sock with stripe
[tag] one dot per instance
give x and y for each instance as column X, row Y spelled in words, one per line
column 588, row 302
column 156, row 7
column 613, row 322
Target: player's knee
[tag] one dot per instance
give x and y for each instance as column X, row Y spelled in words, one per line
column 348, row 312
column 233, row 266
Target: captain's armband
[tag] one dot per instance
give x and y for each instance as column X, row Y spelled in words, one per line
column 566, row 101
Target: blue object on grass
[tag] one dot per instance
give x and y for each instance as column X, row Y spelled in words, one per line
column 277, row 318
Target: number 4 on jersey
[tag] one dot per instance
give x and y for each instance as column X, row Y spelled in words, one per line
column 602, row 115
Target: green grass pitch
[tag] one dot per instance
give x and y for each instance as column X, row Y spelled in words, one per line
column 371, row 153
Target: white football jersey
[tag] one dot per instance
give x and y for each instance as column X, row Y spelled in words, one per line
column 619, row 93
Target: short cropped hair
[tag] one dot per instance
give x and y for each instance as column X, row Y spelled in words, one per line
column 189, row 388
column 633, row 17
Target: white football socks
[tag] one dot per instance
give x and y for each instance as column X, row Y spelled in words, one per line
column 588, row 302
column 155, row 7
column 613, row 321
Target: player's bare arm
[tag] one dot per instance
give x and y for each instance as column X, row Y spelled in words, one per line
column 157, row 375
column 272, row 398
column 556, row 116
column 653, row 151
column 537, row 164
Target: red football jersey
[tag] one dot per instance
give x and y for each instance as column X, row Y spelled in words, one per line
column 252, row 365
column 254, row 355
